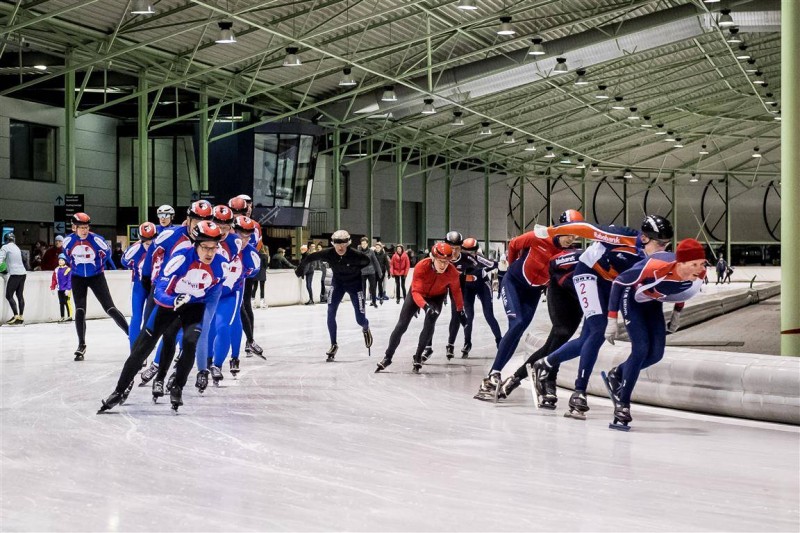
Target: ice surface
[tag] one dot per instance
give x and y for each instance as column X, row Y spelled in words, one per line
column 299, row 444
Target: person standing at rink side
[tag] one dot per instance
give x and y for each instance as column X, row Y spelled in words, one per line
column 346, row 264
column 133, row 259
column 639, row 293
column 399, row 267
column 433, row 278
column 61, row 283
column 477, row 284
column 87, row 253
column 11, row 255
column 383, row 261
column 371, row 272
column 722, row 267
column 615, row 250
column 528, row 274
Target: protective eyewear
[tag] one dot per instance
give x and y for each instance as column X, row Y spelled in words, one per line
column 164, row 215
column 341, row 241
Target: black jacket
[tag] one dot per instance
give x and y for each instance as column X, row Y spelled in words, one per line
column 346, row 268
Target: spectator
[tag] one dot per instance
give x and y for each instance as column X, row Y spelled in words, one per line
column 11, row 262
column 279, row 260
column 728, row 272
column 109, row 260
column 722, row 266
column 412, row 258
column 50, row 257
column 323, row 266
column 62, row 282
column 37, row 255
column 399, row 269
column 371, row 272
column 383, row 261
column 117, row 257
column 262, row 276
column 308, row 270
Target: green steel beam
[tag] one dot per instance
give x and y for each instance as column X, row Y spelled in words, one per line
column 424, row 242
column 371, row 194
column 337, row 181
column 399, row 202
column 486, row 217
column 448, row 182
column 69, row 127
column 205, row 131
column 42, row 18
column 144, row 182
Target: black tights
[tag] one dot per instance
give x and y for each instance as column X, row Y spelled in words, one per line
column 15, row 286
column 408, row 311
column 99, row 286
column 248, row 322
column 63, row 304
column 399, row 285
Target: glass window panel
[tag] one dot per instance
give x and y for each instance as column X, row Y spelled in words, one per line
column 287, row 158
column 33, row 151
column 265, row 170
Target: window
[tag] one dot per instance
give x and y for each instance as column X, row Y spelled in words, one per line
column 283, row 171
column 33, row 151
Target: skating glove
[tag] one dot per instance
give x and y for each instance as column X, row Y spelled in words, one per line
column 181, row 300
column 611, row 330
column 674, row 322
column 298, row 272
column 430, row 310
column 462, row 317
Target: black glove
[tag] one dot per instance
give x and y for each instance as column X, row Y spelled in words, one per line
column 298, row 271
column 429, row 310
column 462, row 317
column 147, row 283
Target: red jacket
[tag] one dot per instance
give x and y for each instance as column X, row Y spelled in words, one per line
column 399, row 264
column 428, row 283
column 536, row 268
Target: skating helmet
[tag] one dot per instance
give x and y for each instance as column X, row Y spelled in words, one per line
column 570, row 215
column 8, row 237
column 657, row 227
column 244, row 224
column 222, row 214
column 470, row 244
column 246, row 198
column 200, row 210
column 238, row 205
column 81, row 218
column 206, row 231
column 442, row 250
column 454, row 238
column 147, row 231
column 340, row 236
column 165, row 211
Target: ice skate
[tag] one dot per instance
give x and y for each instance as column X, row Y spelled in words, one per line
column 234, row 363
column 539, row 398
column 613, row 383
column 114, row 399
column 216, row 374
column 541, row 375
column 508, row 386
column 577, row 406
column 489, row 389
column 202, row 381
column 449, row 351
column 417, row 366
column 331, row 353
column 126, row 393
column 367, row 338
column 176, row 397
column 12, row 322
column 149, row 374
column 171, row 380
column 622, row 416
column 426, row 353
column 158, row 390
column 80, row 352
column 466, row 349
column 252, row 348
column 383, row 364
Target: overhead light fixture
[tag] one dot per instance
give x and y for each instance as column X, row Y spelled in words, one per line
column 505, row 26
column 595, row 169
column 751, row 67
column 660, row 130
column 580, row 164
column 774, row 106
column 40, row 67
column 561, row 66
column 565, row 160
column 756, row 154
column 530, row 147
column 703, row 150
column 142, row 7
column 694, row 178
column 733, row 36
column 388, row 94
column 769, row 99
column 725, row 19
column 712, row 1
column 467, row 5
column 618, row 104
column 581, row 79
column 647, row 123
column 678, row 143
column 777, row 117
column 634, row 114
column 743, row 54
column 509, row 138
column 549, row 154
column 226, row 35
column 427, row 108
column 457, row 120
column 759, row 78
column 601, row 93
column 485, row 129
column 347, row 79
column 670, row 138
column 628, row 174
column 536, row 48
column 291, row 59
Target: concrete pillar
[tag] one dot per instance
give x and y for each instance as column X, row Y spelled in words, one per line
column 790, row 177
column 144, row 181
column 69, row 125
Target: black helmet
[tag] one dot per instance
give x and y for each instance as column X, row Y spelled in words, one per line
column 454, row 238
column 657, row 227
column 8, row 237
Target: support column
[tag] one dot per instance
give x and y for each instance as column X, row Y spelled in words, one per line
column 370, row 191
column 522, row 216
column 398, row 157
column 298, row 242
column 486, row 209
column 144, row 182
column 548, row 183
column 69, row 125
column 205, row 133
column 424, row 243
column 728, row 220
column 674, row 212
column 448, row 180
column 790, row 172
column 337, row 182
column 625, row 218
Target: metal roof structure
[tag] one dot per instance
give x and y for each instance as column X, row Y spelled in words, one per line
column 667, row 64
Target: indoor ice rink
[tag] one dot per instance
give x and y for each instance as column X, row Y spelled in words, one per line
column 643, row 140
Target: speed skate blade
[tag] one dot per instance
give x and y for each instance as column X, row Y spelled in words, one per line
column 535, row 396
column 619, row 427
column 577, row 415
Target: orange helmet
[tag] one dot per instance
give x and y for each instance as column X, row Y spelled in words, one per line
column 222, row 214
column 245, row 224
column 147, row 231
column 570, row 215
column 200, row 209
column 238, row 205
column 442, row 250
column 470, row 244
column 81, row 218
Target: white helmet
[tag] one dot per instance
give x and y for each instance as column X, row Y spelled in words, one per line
column 165, row 211
column 246, row 198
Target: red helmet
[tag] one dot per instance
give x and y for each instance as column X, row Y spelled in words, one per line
column 81, row 218
column 238, row 205
column 470, row 244
column 442, row 250
column 206, row 230
column 200, row 209
column 570, row 215
column 222, row 214
column 147, row 230
column 244, row 224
